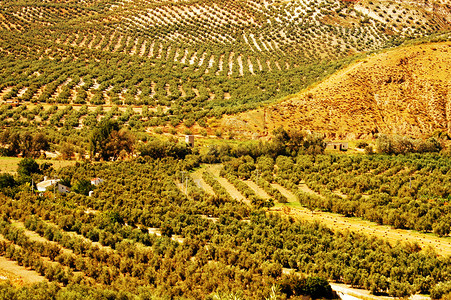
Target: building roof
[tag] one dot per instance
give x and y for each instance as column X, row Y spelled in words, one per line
column 96, row 181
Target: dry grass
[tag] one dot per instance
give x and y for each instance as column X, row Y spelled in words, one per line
column 18, row 275
column 9, row 164
column 197, row 177
column 401, row 91
column 230, row 188
column 258, row 190
column 288, row 194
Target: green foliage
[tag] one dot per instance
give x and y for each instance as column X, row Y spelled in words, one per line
column 361, row 145
column 108, row 141
column 102, row 52
column 238, row 248
column 6, row 180
column 83, row 187
column 259, row 202
column 298, row 142
column 219, row 190
column 440, row 290
column 100, row 137
column 265, row 185
column 24, row 142
column 67, row 151
column 406, row 191
column 402, row 145
column 27, row 167
column 8, row 184
column 316, row 287
column 156, row 148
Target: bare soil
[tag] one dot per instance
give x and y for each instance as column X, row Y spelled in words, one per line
column 18, row 275
column 234, row 193
column 258, row 190
column 197, row 177
column 290, row 196
column 341, row 223
column 394, row 91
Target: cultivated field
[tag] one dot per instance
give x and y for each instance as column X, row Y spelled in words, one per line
column 121, row 81
column 18, row 275
column 9, row 164
column 441, row 245
column 187, row 61
column 144, row 227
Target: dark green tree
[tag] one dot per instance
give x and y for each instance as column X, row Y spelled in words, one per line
column 28, row 166
column 6, row 180
column 318, row 287
column 108, row 140
column 83, row 187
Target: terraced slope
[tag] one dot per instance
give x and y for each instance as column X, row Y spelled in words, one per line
column 192, row 59
column 404, row 91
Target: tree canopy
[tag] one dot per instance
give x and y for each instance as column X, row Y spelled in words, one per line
column 108, row 140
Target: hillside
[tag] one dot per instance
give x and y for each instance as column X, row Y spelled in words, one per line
column 191, row 60
column 403, row 91
column 98, row 96
column 143, row 234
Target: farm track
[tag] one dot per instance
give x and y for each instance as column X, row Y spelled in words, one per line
column 288, row 194
column 155, row 37
column 231, row 189
column 340, row 222
column 304, row 188
column 258, row 190
column 197, row 177
column 348, row 293
column 33, row 236
column 19, row 271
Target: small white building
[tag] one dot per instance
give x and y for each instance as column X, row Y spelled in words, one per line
column 342, row 146
column 96, row 181
column 189, row 139
column 51, row 185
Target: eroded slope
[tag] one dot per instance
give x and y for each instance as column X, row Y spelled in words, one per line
column 404, row 91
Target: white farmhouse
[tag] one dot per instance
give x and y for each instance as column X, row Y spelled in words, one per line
column 51, row 185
